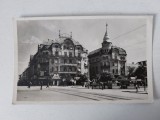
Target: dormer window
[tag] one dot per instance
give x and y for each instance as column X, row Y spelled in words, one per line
column 56, row 46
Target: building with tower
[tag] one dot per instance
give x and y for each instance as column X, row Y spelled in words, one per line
column 109, row 59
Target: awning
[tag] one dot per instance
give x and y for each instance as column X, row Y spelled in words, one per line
column 56, row 76
column 77, row 78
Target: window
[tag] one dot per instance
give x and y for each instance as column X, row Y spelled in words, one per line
column 70, row 61
column 62, row 60
column 65, row 61
column 64, row 47
column 70, row 69
column 56, row 46
column 56, row 68
column 113, row 71
column 65, row 53
column 74, row 69
column 56, row 53
column 117, row 71
column 79, row 54
column 122, row 58
column 56, row 60
column 115, row 56
column 70, row 54
column 65, row 69
column 106, row 57
column 52, row 69
column 96, row 59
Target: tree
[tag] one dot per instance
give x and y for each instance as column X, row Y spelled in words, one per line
column 141, row 72
column 130, row 71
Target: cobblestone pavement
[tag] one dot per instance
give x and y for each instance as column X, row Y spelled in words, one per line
column 78, row 93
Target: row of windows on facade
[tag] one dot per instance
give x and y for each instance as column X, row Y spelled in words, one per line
column 68, row 47
column 97, row 59
column 115, row 56
column 65, row 61
column 106, row 58
column 105, row 50
column 63, row 69
column 65, row 54
column 96, row 70
column 108, row 63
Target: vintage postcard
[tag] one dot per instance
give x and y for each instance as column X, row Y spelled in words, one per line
column 83, row 59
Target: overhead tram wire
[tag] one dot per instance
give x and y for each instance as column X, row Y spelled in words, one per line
column 129, row 31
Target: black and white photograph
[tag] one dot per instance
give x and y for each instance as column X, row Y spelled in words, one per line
column 83, row 59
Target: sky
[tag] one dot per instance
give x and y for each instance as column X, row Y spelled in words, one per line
column 129, row 34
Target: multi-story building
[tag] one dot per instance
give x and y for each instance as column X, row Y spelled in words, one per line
column 57, row 59
column 110, row 59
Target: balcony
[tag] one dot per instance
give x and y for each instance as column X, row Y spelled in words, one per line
column 69, row 72
column 68, row 64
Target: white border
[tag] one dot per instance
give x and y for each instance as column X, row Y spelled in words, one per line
column 149, row 21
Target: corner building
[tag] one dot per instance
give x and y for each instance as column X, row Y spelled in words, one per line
column 57, row 59
column 107, row 59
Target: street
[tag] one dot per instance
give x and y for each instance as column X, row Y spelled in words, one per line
column 77, row 93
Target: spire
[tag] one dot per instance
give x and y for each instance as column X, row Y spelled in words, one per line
column 106, row 34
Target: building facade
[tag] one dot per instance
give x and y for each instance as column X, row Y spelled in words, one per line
column 57, row 59
column 107, row 59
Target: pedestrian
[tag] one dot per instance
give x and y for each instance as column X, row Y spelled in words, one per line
column 64, row 81
column 41, row 84
column 47, row 83
column 72, row 82
column 29, row 84
column 136, row 87
column 89, row 83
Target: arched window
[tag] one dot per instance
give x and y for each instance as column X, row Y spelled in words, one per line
column 56, row 46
